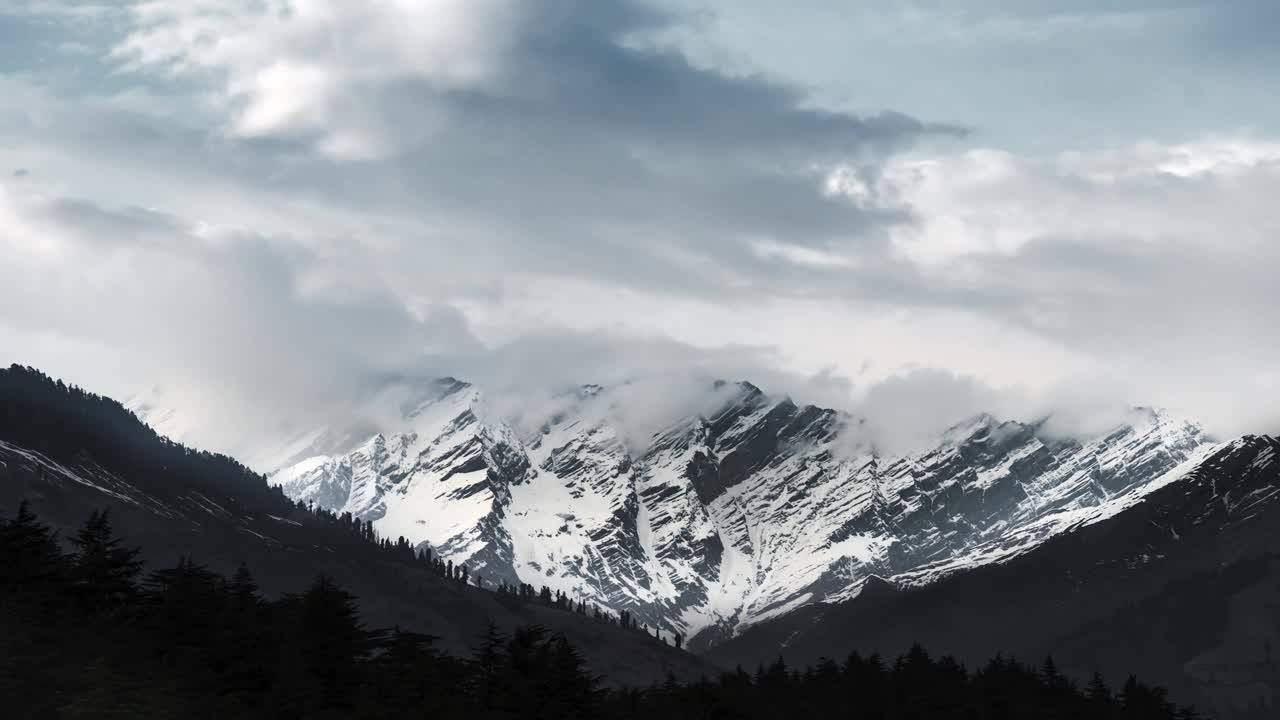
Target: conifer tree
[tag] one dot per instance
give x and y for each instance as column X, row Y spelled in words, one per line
column 104, row 570
column 1098, row 694
column 1052, row 677
column 243, row 588
column 188, row 643
column 487, row 663
column 30, row 560
column 331, row 643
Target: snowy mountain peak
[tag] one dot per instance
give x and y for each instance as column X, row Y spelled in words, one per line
column 730, row 514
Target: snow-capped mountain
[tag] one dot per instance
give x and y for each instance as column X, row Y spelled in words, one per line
column 67, row 454
column 1178, row 582
column 730, row 516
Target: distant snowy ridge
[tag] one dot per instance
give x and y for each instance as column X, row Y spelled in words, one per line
column 730, row 516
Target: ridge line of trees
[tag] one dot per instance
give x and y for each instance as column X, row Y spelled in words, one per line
column 86, row 632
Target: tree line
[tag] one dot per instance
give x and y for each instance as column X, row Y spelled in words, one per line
column 87, row 632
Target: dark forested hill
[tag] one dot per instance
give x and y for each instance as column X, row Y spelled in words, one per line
column 88, row 634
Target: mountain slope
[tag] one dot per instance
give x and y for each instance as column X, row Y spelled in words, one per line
column 70, row 453
column 1179, row 585
column 740, row 513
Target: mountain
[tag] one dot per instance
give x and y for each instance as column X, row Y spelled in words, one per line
column 70, row 453
column 1182, row 588
column 744, row 511
column 757, row 525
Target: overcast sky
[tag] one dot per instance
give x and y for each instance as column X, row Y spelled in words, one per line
column 914, row 210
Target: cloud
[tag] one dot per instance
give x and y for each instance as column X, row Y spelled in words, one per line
column 360, row 79
column 255, row 338
column 248, row 322
column 315, row 188
column 1156, row 259
column 908, row 412
column 279, row 205
column 649, row 382
column 553, row 137
column 321, row 69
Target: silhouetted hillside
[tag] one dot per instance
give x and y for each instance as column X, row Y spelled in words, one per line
column 87, row 633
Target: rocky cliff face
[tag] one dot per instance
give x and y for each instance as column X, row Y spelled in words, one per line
column 731, row 516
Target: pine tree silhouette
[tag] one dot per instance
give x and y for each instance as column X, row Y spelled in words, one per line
column 30, row 560
column 187, row 643
column 105, row 572
column 331, row 644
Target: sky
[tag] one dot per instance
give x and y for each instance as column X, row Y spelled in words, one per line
column 910, row 210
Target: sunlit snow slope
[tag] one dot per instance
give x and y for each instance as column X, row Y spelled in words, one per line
column 731, row 516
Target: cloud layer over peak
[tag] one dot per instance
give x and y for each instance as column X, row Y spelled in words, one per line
column 266, row 204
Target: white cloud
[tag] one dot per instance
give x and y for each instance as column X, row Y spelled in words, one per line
column 990, row 202
column 804, row 256
column 1155, row 261
column 289, row 67
column 539, row 193
column 234, row 318
column 1221, row 156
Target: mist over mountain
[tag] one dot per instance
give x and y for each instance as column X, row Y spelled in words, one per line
column 709, row 506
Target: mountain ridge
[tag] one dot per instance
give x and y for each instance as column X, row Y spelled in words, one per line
column 727, row 517
column 1180, row 587
column 69, row 454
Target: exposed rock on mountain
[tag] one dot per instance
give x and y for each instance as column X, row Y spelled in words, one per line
column 731, row 516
